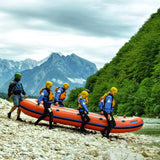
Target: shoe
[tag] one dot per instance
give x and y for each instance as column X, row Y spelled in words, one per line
column 82, row 132
column 107, row 136
column 19, row 119
column 103, row 133
column 9, row 115
column 51, row 127
column 36, row 123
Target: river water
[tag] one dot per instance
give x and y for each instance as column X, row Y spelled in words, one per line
column 155, row 121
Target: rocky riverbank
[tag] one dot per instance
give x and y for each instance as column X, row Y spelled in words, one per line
column 23, row 140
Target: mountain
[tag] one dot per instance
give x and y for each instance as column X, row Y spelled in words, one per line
column 9, row 67
column 58, row 69
column 135, row 71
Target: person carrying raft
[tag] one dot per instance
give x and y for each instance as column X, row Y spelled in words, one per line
column 15, row 90
column 108, row 106
column 87, row 90
column 83, row 111
column 47, row 97
column 60, row 94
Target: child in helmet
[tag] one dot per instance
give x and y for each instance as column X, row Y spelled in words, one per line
column 82, row 107
column 60, row 94
column 15, row 90
column 108, row 106
column 47, row 97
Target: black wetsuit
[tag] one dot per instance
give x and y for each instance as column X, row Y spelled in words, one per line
column 47, row 112
column 109, row 109
column 85, row 119
column 111, row 123
column 45, row 94
column 83, row 111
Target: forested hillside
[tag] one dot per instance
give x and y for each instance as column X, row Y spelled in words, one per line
column 135, row 71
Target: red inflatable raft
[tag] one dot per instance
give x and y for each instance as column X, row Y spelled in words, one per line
column 71, row 117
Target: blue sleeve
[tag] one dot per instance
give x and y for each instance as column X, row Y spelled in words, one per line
column 41, row 96
column 112, row 109
column 101, row 105
column 58, row 94
column 108, row 104
column 82, row 102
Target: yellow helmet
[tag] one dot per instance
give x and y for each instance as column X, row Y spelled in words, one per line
column 114, row 90
column 84, row 94
column 65, row 85
column 49, row 84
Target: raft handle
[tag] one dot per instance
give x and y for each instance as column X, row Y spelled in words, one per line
column 57, row 109
column 100, row 118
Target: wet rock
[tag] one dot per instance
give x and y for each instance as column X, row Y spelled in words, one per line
column 33, row 156
column 46, row 136
column 61, row 152
column 93, row 152
column 57, row 148
column 86, row 144
column 6, row 157
column 45, row 150
column 147, row 154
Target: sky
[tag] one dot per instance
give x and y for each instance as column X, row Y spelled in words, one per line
column 92, row 29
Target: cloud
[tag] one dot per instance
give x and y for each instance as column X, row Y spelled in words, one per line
column 93, row 29
column 87, row 17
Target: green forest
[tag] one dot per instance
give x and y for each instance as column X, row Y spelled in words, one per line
column 135, row 71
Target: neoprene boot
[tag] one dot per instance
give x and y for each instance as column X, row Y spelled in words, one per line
column 19, row 119
column 51, row 127
column 36, row 123
column 102, row 132
column 9, row 115
column 107, row 136
column 82, row 132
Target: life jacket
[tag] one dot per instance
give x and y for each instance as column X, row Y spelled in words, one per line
column 50, row 94
column 86, row 99
column 17, row 89
column 104, row 98
column 79, row 98
column 62, row 96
